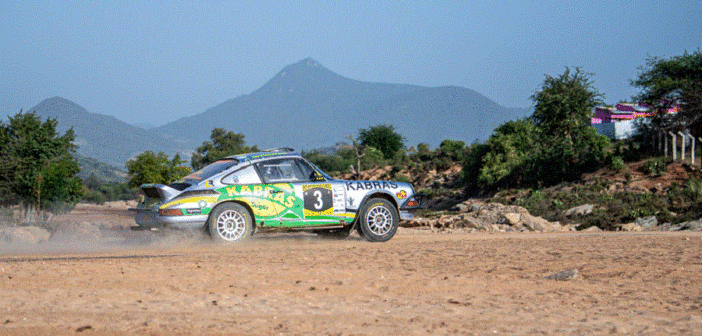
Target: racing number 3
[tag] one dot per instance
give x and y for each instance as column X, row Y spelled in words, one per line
column 320, row 202
column 317, row 199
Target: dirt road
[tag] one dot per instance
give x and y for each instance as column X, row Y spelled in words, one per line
column 418, row 283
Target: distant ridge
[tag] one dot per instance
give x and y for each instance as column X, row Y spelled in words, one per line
column 103, row 137
column 304, row 106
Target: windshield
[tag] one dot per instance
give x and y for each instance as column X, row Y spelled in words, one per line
column 212, row 169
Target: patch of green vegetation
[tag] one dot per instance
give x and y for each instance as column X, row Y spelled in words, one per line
column 681, row 203
column 655, row 167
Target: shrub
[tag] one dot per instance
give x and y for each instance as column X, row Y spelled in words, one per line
column 655, row 167
column 617, row 163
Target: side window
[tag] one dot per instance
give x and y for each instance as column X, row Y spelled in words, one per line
column 305, row 170
column 281, row 170
column 245, row 175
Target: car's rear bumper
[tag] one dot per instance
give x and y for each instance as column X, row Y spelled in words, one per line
column 151, row 219
column 406, row 215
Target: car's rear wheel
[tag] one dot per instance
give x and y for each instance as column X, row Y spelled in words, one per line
column 379, row 220
column 230, row 222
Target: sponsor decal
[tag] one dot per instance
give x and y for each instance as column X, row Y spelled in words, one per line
column 202, row 204
column 266, row 201
column 370, row 185
column 401, row 195
column 208, row 184
column 339, row 195
column 258, row 156
column 192, row 211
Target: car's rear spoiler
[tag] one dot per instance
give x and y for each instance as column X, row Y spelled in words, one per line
column 159, row 191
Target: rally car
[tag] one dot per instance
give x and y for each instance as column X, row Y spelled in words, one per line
column 275, row 190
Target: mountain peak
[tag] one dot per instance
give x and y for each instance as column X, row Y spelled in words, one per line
column 306, row 66
column 305, row 75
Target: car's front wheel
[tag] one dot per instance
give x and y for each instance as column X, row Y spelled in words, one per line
column 230, row 222
column 379, row 220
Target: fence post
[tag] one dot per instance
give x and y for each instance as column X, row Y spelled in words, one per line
column 692, row 149
column 675, row 150
column 665, row 150
column 682, row 152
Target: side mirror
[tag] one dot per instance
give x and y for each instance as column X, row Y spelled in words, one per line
column 316, row 176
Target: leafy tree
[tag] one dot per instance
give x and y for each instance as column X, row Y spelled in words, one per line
column 382, row 137
column 507, row 151
column 569, row 145
column 423, row 152
column 148, row 167
column 665, row 83
column 564, row 104
column 111, row 191
column 555, row 144
column 38, row 164
column 372, row 157
column 223, row 144
column 455, row 149
column 330, row 163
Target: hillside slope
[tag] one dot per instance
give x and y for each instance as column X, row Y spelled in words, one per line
column 307, row 106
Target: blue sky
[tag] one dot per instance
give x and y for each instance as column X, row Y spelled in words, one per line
column 156, row 61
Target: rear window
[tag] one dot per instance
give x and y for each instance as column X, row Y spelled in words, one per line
column 212, row 169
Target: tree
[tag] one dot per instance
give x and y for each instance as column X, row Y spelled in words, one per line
column 223, row 144
column 666, row 83
column 382, row 137
column 38, row 168
column 565, row 103
column 569, row 146
column 507, row 151
column 555, row 144
column 148, row 167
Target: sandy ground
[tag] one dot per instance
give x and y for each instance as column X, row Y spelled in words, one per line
column 418, row 283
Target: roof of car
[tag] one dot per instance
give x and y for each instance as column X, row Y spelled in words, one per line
column 276, row 152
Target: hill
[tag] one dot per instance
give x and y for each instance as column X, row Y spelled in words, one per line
column 103, row 137
column 305, row 106
column 103, row 171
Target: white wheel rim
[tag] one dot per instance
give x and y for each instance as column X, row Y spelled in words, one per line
column 379, row 220
column 231, row 225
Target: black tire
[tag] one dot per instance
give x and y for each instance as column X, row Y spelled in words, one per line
column 230, row 222
column 379, row 220
column 335, row 233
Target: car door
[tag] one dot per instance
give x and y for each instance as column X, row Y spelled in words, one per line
column 309, row 199
column 324, row 200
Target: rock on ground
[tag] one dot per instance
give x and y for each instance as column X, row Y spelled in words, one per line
column 481, row 216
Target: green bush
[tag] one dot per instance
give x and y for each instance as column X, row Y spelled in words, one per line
column 655, row 167
column 402, row 178
column 617, row 163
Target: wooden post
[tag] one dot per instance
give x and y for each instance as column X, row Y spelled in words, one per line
column 665, row 150
column 675, row 150
column 692, row 149
column 682, row 152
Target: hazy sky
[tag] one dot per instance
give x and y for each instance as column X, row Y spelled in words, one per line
column 156, row 61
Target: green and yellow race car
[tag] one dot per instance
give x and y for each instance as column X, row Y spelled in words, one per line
column 275, row 190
